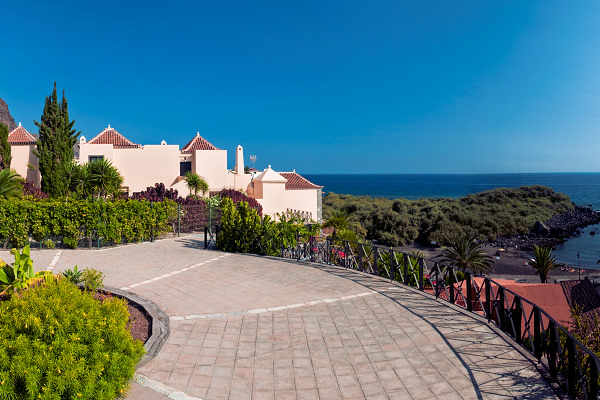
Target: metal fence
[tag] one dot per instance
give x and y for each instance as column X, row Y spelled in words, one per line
column 568, row 361
column 195, row 217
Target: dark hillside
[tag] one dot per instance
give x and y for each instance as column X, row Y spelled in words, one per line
column 5, row 116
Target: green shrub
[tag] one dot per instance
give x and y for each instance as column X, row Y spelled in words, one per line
column 488, row 215
column 115, row 221
column 92, row 279
column 57, row 342
column 244, row 231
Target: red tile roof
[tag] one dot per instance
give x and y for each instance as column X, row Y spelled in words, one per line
column 549, row 297
column 296, row 181
column 20, row 137
column 582, row 294
column 198, row 143
column 111, row 136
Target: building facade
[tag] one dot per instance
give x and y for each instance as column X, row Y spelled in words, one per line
column 144, row 165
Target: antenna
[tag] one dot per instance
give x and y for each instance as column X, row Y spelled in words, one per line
column 253, row 159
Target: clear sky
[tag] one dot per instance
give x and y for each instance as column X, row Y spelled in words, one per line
column 323, row 87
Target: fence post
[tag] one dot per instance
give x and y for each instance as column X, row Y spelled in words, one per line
column 205, row 237
column 537, row 339
column 360, row 257
column 552, row 349
column 517, row 314
column 488, row 300
column 501, row 312
column 405, row 262
column 469, row 294
column 375, row 256
column 392, row 264
column 346, row 251
column 328, row 250
column 421, row 265
column 451, row 276
column 572, row 368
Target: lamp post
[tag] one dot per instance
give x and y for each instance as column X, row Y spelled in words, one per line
column 579, row 263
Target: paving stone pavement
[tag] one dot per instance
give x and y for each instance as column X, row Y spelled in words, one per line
column 248, row 327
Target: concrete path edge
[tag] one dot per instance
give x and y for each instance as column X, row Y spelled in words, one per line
column 160, row 323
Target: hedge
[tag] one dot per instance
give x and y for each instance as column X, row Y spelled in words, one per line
column 71, row 220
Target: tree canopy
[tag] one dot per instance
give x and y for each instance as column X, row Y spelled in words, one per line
column 5, row 155
column 54, row 148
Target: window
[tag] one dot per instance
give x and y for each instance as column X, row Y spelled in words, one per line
column 184, row 167
column 96, row 158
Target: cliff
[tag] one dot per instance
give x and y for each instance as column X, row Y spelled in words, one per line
column 5, row 116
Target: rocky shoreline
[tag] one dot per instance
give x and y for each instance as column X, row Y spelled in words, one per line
column 557, row 229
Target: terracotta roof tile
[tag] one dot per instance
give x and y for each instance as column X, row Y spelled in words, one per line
column 581, row 293
column 296, row 181
column 198, row 143
column 20, row 137
column 111, row 136
column 549, row 297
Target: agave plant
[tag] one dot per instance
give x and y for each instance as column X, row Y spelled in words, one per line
column 73, row 275
column 20, row 274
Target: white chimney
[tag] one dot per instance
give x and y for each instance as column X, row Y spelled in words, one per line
column 239, row 160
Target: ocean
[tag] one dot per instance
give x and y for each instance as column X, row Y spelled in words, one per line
column 582, row 188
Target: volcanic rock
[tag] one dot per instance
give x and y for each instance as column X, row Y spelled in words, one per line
column 5, row 116
column 540, row 228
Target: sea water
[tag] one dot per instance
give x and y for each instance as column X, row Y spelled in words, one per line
column 582, row 188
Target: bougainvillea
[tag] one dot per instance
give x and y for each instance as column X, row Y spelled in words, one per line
column 29, row 189
column 237, row 196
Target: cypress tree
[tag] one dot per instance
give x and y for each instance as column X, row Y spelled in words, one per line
column 5, row 156
column 54, row 148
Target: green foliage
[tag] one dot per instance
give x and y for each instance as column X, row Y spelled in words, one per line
column 54, row 148
column 57, row 342
column 104, row 179
column 92, row 279
column 488, row 215
column 20, row 274
column 73, row 219
column 196, row 183
column 465, row 254
column 5, row 156
column 73, row 275
column 544, row 261
column 244, row 231
column 11, row 184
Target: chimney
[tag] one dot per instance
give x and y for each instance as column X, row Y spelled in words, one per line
column 239, row 160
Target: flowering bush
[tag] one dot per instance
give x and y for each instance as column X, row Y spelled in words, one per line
column 29, row 189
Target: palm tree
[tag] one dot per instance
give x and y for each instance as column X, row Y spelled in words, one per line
column 465, row 254
column 196, row 183
column 544, row 261
column 11, row 183
column 339, row 220
column 104, row 178
column 72, row 175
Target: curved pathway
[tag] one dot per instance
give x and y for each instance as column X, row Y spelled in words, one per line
column 247, row 327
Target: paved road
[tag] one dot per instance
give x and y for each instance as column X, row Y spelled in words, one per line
column 246, row 327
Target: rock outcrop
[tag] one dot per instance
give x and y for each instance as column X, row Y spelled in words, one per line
column 5, row 116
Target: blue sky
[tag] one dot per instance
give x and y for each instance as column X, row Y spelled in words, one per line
column 323, row 87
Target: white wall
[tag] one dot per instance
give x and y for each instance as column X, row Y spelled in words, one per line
column 21, row 155
column 212, row 166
